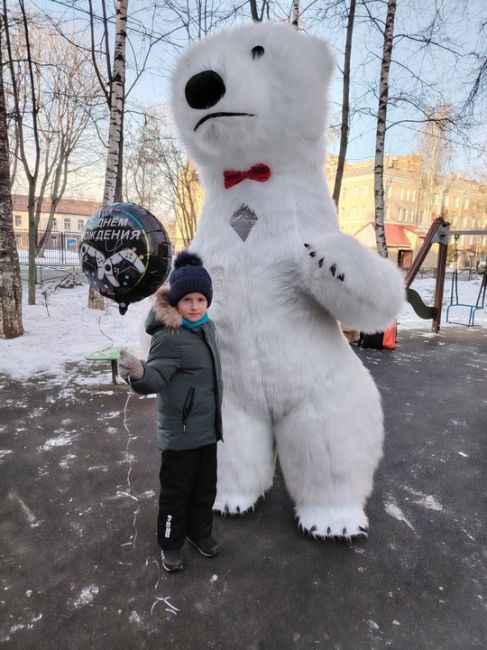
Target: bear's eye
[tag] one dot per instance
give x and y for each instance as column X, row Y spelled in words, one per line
column 257, row 52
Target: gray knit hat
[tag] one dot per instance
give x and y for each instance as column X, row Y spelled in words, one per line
column 189, row 276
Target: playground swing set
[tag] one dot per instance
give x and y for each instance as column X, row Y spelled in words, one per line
column 439, row 233
column 454, row 301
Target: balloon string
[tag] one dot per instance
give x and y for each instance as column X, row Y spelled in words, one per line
column 129, row 458
column 107, row 336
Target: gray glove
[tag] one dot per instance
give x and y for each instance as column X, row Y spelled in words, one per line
column 129, row 366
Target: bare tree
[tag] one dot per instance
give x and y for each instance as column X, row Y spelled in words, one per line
column 53, row 94
column 381, row 129
column 10, row 281
column 159, row 174
column 113, row 88
column 345, row 122
column 434, row 149
column 113, row 176
column 31, row 158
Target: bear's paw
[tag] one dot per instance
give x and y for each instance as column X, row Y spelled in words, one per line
column 235, row 504
column 324, row 264
column 346, row 523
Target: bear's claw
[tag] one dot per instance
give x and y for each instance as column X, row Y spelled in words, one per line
column 235, row 504
column 348, row 523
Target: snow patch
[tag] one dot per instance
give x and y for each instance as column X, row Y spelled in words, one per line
column 3, row 453
column 395, row 511
column 62, row 440
column 86, row 596
column 429, row 502
column 135, row 617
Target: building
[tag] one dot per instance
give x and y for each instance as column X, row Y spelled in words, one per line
column 412, row 199
column 403, row 242
column 71, row 214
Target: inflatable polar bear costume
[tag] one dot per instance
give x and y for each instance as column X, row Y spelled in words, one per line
column 283, row 276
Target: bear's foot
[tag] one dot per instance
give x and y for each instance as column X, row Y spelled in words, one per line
column 346, row 523
column 235, row 504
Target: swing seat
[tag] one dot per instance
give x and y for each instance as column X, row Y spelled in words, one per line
column 471, row 318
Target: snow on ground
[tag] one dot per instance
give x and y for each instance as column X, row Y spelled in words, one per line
column 71, row 329
column 68, row 332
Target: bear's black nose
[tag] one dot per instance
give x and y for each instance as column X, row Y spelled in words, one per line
column 204, row 90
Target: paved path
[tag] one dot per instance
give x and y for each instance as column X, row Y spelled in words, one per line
column 79, row 558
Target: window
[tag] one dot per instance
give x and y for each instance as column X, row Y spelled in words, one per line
column 413, row 195
column 18, row 220
column 408, row 194
column 343, row 192
column 399, row 214
column 363, row 212
column 54, row 223
column 457, row 202
column 353, row 212
column 355, row 191
column 81, row 224
column 447, row 200
column 402, row 194
column 466, row 204
column 67, row 224
column 18, row 240
column 365, row 191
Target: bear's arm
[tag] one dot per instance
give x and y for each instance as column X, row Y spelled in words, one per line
column 358, row 287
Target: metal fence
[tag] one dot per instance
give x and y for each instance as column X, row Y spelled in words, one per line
column 61, row 247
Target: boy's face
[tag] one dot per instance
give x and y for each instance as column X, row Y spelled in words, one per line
column 192, row 306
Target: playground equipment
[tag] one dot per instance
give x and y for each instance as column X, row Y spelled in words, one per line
column 454, row 302
column 439, row 233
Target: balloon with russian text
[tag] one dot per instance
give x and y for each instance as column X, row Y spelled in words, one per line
column 125, row 252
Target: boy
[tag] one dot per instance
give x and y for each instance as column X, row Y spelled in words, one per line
column 183, row 368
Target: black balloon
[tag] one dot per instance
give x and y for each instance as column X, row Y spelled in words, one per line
column 125, row 253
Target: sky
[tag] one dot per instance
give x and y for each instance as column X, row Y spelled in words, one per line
column 432, row 74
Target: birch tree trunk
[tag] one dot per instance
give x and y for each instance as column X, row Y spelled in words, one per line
column 295, row 13
column 10, row 282
column 113, row 175
column 345, row 126
column 113, row 180
column 381, row 129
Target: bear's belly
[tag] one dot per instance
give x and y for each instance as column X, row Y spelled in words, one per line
column 276, row 344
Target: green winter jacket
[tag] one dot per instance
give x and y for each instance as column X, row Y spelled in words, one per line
column 183, row 368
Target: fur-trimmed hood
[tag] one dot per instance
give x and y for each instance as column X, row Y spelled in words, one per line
column 162, row 313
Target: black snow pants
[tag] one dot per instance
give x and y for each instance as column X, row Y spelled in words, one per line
column 188, row 491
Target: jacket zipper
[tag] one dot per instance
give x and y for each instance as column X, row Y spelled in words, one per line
column 187, row 406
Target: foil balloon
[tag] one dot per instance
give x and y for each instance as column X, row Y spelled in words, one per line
column 125, row 253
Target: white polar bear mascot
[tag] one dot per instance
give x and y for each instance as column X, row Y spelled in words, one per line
column 250, row 105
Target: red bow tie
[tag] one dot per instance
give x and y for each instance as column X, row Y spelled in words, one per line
column 259, row 172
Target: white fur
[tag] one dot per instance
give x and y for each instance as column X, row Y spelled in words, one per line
column 291, row 381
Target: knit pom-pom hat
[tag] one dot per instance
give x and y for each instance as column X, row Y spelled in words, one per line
column 189, row 276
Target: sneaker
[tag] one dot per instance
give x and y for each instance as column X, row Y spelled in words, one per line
column 172, row 560
column 207, row 546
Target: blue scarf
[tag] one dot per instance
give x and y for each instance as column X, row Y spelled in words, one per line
column 190, row 325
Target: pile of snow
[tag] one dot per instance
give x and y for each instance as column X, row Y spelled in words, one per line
column 70, row 329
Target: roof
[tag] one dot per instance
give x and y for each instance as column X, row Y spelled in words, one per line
column 395, row 233
column 65, row 206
